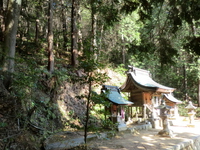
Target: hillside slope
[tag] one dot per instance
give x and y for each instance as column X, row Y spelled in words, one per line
column 26, row 129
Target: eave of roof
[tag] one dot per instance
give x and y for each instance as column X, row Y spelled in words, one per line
column 114, row 96
column 144, row 83
column 190, row 106
column 172, row 98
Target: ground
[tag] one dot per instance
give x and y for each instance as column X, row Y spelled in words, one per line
column 138, row 140
column 148, row 139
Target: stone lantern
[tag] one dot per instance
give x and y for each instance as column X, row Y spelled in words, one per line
column 191, row 114
column 164, row 114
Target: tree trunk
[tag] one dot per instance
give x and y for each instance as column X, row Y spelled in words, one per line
column 65, row 39
column 101, row 37
column 199, row 93
column 64, row 25
column 50, row 38
column 2, row 24
column 11, row 25
column 36, row 30
column 2, row 30
column 123, row 51
column 74, row 46
column 80, row 37
column 37, row 21
column 88, row 108
column 185, row 81
column 94, row 31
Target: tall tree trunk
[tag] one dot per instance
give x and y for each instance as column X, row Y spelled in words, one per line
column 64, row 25
column 36, row 30
column 123, row 51
column 87, row 114
column 74, row 34
column 65, row 39
column 50, row 38
column 37, row 21
column 2, row 29
column 11, row 25
column 1, row 8
column 80, row 37
column 185, row 82
column 199, row 93
column 2, row 25
column 101, row 37
column 94, row 30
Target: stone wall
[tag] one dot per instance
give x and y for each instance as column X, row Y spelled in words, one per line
column 192, row 144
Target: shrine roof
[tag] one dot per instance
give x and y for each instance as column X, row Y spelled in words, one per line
column 190, row 106
column 171, row 98
column 141, row 79
column 114, row 96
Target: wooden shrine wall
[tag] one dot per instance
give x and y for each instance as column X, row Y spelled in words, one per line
column 140, row 98
column 169, row 103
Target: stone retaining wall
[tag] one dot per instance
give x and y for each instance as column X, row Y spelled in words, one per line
column 192, row 144
column 140, row 127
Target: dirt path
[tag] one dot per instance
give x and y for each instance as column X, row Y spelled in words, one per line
column 148, row 140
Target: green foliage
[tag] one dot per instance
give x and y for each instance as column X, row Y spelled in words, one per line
column 3, row 124
column 97, row 116
column 129, row 28
column 91, row 78
column 182, row 110
column 120, row 69
column 98, row 122
column 197, row 112
column 25, row 82
column 34, row 91
column 108, row 124
column 99, row 99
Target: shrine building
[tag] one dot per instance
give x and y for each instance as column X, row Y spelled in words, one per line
column 146, row 94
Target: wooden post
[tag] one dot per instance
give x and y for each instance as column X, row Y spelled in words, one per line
column 144, row 112
column 131, row 112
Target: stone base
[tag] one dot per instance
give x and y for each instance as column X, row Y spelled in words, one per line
column 166, row 133
column 122, row 127
column 156, row 124
column 191, row 125
column 173, row 118
column 171, row 123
